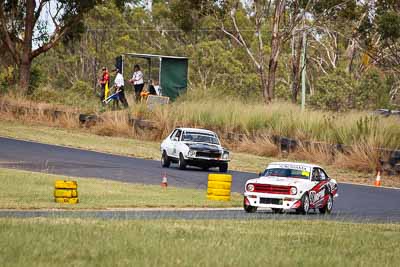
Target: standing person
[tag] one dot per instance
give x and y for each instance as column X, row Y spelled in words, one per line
column 104, row 83
column 119, row 87
column 154, row 88
column 137, row 80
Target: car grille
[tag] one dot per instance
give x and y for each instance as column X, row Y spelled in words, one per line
column 208, row 154
column 272, row 189
column 273, row 201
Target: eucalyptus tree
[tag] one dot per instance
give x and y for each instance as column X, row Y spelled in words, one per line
column 32, row 27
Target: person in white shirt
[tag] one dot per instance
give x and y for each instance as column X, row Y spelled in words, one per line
column 119, row 87
column 137, row 80
column 154, row 88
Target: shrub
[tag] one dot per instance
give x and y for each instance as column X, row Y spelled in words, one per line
column 372, row 92
column 334, row 91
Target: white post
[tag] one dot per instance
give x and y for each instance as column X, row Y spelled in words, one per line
column 303, row 71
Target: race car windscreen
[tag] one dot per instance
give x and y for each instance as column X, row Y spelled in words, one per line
column 289, row 173
column 200, row 138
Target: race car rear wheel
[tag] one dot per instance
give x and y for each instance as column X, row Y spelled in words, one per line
column 328, row 207
column 181, row 162
column 165, row 162
column 305, row 204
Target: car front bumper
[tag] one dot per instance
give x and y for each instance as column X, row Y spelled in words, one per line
column 273, row 201
column 197, row 161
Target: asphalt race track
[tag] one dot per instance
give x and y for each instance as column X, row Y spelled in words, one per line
column 355, row 202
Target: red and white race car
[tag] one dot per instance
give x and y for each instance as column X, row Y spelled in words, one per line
column 291, row 186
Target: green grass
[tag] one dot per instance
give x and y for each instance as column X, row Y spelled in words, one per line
column 30, row 190
column 90, row 242
column 81, row 138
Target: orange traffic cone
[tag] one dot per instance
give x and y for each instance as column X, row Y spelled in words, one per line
column 164, row 181
column 378, row 179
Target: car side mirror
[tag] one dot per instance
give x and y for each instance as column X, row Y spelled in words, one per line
column 175, row 139
column 260, row 174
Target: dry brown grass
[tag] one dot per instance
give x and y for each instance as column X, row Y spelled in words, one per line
column 362, row 157
column 260, row 146
column 321, row 153
column 114, row 124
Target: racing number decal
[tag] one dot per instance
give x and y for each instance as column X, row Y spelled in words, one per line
column 312, row 196
column 315, row 197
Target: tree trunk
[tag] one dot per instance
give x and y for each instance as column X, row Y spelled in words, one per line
column 296, row 52
column 264, row 84
column 24, row 76
column 275, row 50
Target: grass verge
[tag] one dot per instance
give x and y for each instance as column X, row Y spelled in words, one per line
column 30, row 190
column 150, row 150
column 90, row 242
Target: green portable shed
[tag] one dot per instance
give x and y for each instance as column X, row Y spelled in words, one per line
column 173, row 71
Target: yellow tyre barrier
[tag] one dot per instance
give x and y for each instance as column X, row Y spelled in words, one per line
column 220, row 177
column 65, row 193
column 219, row 185
column 69, row 200
column 66, row 184
column 220, row 198
column 218, row 192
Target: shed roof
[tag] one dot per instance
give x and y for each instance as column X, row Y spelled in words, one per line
column 153, row 56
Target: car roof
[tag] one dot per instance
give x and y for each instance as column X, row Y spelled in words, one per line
column 295, row 163
column 198, row 130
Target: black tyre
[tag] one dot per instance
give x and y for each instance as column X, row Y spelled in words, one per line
column 277, row 210
column 223, row 167
column 328, row 207
column 205, row 168
column 181, row 162
column 165, row 162
column 305, row 204
column 249, row 209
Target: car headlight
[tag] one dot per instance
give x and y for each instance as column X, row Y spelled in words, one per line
column 225, row 155
column 250, row 187
column 293, row 190
column 191, row 153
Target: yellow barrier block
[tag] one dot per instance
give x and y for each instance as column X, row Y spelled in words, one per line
column 220, row 177
column 66, row 184
column 66, row 193
column 67, row 200
column 219, row 198
column 218, row 192
column 219, row 185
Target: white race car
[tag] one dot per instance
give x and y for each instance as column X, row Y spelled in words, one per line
column 195, row 147
column 291, row 186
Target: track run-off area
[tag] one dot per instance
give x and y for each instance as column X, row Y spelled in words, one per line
column 355, row 202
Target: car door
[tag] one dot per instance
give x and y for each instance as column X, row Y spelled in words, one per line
column 319, row 180
column 167, row 144
column 175, row 139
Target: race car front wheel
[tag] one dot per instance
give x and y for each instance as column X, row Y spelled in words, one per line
column 165, row 162
column 223, row 167
column 277, row 210
column 181, row 162
column 305, row 204
column 328, row 206
column 249, row 209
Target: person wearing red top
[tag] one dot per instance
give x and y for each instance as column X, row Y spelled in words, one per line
column 105, row 79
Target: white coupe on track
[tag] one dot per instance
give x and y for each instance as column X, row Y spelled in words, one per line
column 194, row 147
column 291, row 186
